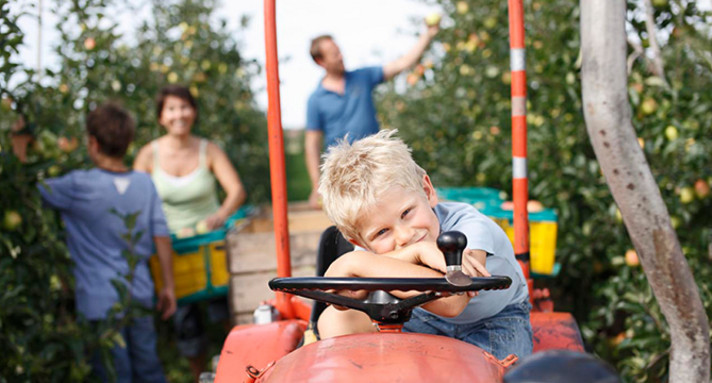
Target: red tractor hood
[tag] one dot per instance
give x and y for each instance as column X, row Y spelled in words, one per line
column 386, row 357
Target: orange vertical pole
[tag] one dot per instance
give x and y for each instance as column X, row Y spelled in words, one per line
column 278, row 174
column 519, row 133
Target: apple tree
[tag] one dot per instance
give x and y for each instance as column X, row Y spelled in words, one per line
column 181, row 42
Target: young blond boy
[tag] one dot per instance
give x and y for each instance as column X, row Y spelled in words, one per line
column 386, row 205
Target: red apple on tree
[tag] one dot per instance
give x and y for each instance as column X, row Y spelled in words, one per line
column 89, row 43
column 702, row 188
column 631, row 258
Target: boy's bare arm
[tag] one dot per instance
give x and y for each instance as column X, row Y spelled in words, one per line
column 400, row 263
column 369, row 265
column 427, row 253
column 167, row 296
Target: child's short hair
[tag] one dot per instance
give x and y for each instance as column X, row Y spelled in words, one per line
column 176, row 91
column 112, row 127
column 354, row 175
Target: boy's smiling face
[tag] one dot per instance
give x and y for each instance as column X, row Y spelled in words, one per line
column 399, row 218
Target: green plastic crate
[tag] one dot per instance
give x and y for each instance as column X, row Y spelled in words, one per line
column 199, row 263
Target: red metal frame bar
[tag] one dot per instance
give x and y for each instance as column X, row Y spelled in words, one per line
column 520, row 187
column 278, row 175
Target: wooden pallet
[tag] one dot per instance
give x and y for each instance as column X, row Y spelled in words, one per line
column 252, row 260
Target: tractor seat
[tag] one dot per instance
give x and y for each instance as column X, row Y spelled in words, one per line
column 332, row 245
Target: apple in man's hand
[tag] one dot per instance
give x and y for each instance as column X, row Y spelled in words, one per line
column 433, row 19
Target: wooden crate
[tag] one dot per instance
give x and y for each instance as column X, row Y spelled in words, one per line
column 252, row 260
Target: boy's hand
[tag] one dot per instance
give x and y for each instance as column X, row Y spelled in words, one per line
column 473, row 263
column 344, row 266
column 428, row 254
column 166, row 302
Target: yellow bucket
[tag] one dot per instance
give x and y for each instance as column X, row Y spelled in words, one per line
column 542, row 240
column 199, row 267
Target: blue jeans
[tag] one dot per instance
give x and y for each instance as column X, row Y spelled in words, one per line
column 508, row 332
column 138, row 361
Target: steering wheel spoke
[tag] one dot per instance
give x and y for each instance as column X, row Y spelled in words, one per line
column 334, row 299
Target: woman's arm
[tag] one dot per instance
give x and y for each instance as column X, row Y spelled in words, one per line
column 144, row 159
column 227, row 176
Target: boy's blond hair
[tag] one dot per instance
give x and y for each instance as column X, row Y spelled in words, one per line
column 354, row 175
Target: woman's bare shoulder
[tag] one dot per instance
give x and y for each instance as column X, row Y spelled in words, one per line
column 214, row 150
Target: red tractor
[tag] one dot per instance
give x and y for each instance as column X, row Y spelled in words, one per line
column 270, row 352
column 281, row 351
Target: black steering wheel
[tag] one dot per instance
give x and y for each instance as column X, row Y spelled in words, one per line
column 383, row 307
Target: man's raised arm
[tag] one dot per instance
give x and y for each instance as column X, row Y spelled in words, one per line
column 409, row 59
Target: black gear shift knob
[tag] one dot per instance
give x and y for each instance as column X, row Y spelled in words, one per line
column 452, row 244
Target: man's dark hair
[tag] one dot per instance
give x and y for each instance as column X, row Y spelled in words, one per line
column 112, row 127
column 176, row 91
column 314, row 49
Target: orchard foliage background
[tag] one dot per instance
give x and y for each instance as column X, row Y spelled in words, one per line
column 455, row 112
column 181, row 42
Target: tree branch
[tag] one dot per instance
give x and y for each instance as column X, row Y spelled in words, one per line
column 657, row 59
column 637, row 52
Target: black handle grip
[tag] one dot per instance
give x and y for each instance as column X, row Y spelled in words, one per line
column 452, row 244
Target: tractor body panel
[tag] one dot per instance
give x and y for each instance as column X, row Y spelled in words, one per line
column 256, row 345
column 555, row 331
column 386, row 357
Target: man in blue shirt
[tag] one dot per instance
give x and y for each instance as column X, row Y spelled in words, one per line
column 342, row 103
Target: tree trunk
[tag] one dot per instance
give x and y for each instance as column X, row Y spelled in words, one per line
column 608, row 121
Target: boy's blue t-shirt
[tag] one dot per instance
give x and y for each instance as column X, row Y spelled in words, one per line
column 484, row 234
column 352, row 113
column 85, row 199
